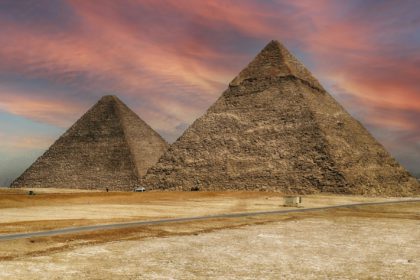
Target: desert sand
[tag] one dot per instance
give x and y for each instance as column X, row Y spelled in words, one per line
column 367, row 242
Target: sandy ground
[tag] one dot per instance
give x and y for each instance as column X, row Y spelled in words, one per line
column 369, row 243
column 51, row 208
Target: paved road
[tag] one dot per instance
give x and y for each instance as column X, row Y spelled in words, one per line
column 4, row 237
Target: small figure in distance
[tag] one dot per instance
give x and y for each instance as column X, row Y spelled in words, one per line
column 107, row 190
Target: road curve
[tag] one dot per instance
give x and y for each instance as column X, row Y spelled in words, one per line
column 4, row 237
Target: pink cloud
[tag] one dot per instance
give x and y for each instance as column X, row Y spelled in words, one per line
column 172, row 59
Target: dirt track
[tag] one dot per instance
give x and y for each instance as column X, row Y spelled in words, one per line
column 80, row 229
column 46, row 211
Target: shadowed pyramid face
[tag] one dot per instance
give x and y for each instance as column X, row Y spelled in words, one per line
column 276, row 128
column 108, row 147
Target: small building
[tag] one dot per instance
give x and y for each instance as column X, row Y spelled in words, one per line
column 292, row 201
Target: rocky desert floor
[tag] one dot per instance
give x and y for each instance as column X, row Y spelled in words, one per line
column 366, row 242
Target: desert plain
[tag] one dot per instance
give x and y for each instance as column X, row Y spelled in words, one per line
column 362, row 242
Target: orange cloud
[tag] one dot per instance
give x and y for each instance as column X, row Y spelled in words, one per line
column 24, row 142
column 58, row 112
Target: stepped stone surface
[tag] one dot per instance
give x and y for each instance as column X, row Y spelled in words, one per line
column 108, row 147
column 275, row 128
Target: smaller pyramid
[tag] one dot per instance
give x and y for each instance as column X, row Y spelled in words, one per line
column 108, row 147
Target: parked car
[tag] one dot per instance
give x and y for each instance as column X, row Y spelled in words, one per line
column 140, row 189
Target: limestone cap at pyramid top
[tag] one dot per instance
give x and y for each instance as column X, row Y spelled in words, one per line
column 275, row 61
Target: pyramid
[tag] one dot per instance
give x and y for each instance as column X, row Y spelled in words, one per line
column 276, row 129
column 108, row 147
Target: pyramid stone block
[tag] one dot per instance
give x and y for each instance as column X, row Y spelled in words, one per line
column 276, row 128
column 108, row 147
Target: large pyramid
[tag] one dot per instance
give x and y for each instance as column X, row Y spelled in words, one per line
column 276, row 128
column 108, row 147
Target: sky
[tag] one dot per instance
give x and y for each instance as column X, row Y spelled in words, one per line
column 170, row 60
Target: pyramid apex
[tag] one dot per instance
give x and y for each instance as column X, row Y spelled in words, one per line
column 275, row 43
column 275, row 60
column 109, row 97
column 276, row 46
